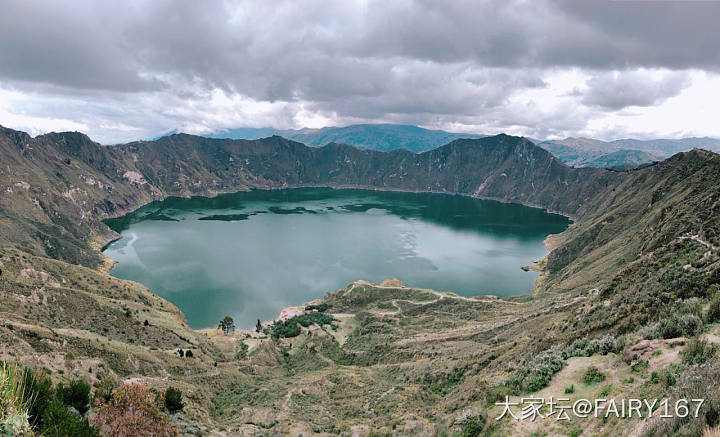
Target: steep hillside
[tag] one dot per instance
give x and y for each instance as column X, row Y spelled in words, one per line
column 59, row 186
column 501, row 167
column 55, row 188
column 655, row 206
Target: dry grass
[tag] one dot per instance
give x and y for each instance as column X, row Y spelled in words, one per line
column 711, row 432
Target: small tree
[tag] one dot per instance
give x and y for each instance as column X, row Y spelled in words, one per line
column 133, row 410
column 173, row 399
column 227, row 325
column 188, row 354
column 258, row 326
column 76, row 395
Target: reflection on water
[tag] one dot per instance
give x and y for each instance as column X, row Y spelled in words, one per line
column 250, row 254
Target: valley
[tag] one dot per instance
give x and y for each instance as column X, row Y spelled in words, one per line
column 393, row 358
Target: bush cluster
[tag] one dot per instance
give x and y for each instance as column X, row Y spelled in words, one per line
column 585, row 348
column 682, row 325
column 691, row 382
column 471, row 423
column 698, row 351
column 538, row 372
column 54, row 412
column 320, row 307
column 291, row 327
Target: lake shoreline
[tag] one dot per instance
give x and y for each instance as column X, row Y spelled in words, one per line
column 438, row 224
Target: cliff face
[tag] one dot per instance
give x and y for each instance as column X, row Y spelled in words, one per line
column 500, row 167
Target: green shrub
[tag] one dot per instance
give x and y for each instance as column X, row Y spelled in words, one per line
column 173, row 399
column 570, row 390
column 713, row 314
column 242, row 352
column 683, row 325
column 670, row 375
column 639, row 367
column 285, row 329
column 314, row 318
column 37, row 394
column 76, row 395
column 585, row 348
column 58, row 421
column 538, row 372
column 593, row 376
column 698, row 351
column 471, row 423
column 654, row 378
column 680, row 326
column 473, row 428
column 692, row 306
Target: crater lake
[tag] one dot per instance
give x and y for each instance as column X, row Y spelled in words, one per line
column 251, row 254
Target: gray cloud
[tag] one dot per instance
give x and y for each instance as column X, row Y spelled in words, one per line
column 410, row 60
column 616, row 91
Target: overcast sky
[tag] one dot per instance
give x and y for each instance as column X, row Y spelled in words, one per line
column 120, row 71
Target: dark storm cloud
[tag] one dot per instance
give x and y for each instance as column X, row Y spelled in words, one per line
column 283, row 49
column 65, row 45
column 410, row 60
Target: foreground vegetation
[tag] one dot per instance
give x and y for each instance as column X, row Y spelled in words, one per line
column 31, row 405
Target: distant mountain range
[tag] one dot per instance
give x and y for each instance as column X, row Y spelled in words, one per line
column 577, row 152
column 622, row 154
column 381, row 137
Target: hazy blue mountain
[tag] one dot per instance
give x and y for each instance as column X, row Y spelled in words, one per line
column 383, row 137
column 666, row 147
column 624, row 153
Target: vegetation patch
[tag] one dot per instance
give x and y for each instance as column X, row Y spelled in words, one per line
column 593, row 376
column 291, row 327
